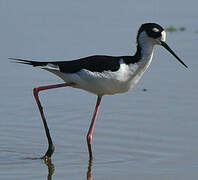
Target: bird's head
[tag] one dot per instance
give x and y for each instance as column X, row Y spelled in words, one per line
column 153, row 34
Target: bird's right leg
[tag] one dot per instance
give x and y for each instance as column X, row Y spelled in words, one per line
column 36, row 90
column 91, row 128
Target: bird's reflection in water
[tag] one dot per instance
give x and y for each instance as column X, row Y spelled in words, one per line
column 51, row 169
column 89, row 173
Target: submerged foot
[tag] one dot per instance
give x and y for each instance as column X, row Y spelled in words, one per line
column 89, row 173
column 48, row 154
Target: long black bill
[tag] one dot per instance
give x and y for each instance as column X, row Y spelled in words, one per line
column 171, row 51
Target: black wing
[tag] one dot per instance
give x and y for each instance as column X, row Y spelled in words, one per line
column 97, row 63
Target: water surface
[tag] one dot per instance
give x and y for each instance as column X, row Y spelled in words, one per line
column 138, row 135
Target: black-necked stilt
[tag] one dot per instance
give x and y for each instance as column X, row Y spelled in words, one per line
column 102, row 75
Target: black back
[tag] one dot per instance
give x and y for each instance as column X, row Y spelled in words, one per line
column 97, row 63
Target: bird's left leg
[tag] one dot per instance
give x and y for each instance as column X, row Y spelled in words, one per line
column 36, row 90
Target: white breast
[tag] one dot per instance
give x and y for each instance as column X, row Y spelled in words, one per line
column 107, row 82
column 140, row 69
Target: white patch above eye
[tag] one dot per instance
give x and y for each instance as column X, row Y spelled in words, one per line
column 155, row 30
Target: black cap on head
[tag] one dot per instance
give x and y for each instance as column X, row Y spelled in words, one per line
column 152, row 29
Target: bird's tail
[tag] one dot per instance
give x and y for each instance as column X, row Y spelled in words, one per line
column 29, row 62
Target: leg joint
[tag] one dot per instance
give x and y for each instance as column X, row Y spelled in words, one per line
column 89, row 139
column 36, row 91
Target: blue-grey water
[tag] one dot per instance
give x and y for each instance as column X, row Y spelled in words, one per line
column 150, row 134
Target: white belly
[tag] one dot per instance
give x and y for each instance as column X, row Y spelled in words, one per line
column 107, row 82
column 98, row 83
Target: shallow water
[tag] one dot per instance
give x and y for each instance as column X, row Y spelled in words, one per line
column 148, row 134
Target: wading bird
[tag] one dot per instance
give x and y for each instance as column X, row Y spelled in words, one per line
column 101, row 74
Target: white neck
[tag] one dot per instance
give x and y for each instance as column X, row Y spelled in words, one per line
column 146, row 44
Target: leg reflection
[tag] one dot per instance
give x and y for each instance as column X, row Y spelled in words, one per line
column 51, row 168
column 89, row 174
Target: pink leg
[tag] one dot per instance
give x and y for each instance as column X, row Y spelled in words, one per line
column 36, row 90
column 91, row 128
